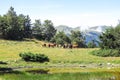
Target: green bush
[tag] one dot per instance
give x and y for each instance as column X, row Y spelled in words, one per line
column 106, row 53
column 34, row 57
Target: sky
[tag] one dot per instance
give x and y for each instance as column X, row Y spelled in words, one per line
column 72, row 13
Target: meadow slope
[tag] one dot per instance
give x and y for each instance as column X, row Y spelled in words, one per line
column 9, row 52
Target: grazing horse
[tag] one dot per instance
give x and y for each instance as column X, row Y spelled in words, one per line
column 75, row 46
column 70, row 46
column 44, row 45
column 65, row 46
column 51, row 45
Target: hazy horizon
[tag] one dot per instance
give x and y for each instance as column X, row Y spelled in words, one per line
column 67, row 12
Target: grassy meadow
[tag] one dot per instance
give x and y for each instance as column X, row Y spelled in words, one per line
column 63, row 62
column 9, row 52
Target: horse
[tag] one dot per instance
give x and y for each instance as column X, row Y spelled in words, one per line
column 70, row 46
column 75, row 46
column 65, row 46
column 44, row 45
column 51, row 45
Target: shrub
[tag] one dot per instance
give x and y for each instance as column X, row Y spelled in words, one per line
column 1, row 62
column 27, row 56
column 41, row 58
column 34, row 57
column 106, row 53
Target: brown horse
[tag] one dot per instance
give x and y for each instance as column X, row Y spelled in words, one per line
column 51, row 45
column 75, row 46
column 44, row 45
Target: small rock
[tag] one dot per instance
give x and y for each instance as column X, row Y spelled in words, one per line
column 100, row 64
column 82, row 66
column 108, row 63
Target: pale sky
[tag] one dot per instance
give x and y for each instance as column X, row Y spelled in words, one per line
column 67, row 12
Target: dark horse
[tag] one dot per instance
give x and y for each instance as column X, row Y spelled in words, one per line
column 52, row 45
column 44, row 45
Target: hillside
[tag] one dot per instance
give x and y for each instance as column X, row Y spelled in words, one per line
column 9, row 52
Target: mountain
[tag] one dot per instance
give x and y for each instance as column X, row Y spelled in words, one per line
column 99, row 28
column 64, row 28
column 92, row 33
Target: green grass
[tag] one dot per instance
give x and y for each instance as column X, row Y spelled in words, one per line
column 63, row 76
column 65, row 64
column 9, row 52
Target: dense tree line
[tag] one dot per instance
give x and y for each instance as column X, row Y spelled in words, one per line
column 13, row 26
column 43, row 31
column 61, row 38
column 111, row 38
column 74, row 38
column 18, row 27
column 77, row 38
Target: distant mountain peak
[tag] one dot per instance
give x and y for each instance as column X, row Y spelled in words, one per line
column 92, row 33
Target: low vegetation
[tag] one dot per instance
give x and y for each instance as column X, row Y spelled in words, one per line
column 34, row 57
column 106, row 53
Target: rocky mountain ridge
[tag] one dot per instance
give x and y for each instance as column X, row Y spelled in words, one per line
column 92, row 33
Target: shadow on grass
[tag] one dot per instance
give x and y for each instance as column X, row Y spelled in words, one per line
column 1, row 62
column 38, row 71
column 4, row 70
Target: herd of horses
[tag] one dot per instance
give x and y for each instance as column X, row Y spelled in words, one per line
column 60, row 46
